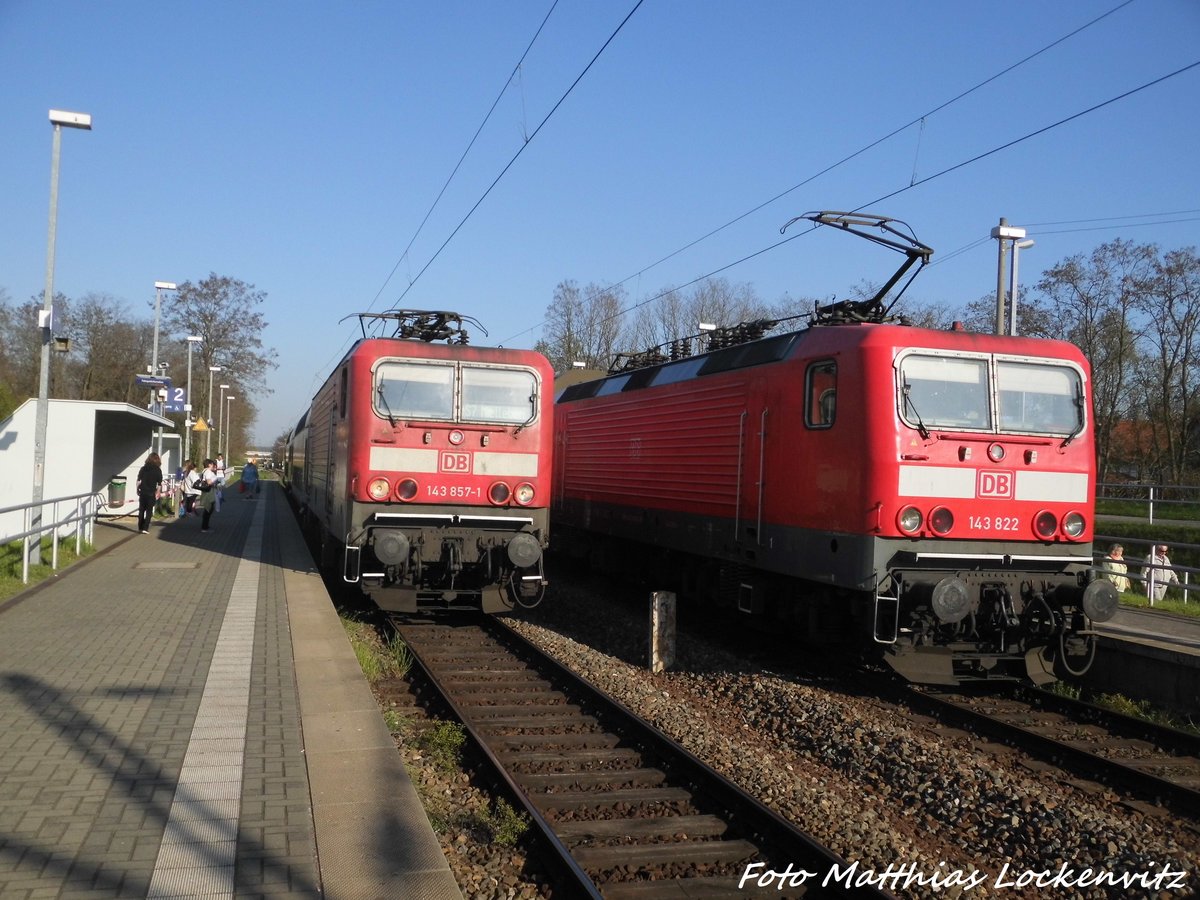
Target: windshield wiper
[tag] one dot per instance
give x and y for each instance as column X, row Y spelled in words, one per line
column 1079, row 419
column 386, row 407
column 908, row 404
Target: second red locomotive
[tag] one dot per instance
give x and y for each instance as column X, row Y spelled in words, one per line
column 425, row 466
column 931, row 491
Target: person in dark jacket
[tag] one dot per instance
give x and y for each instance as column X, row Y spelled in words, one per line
column 149, row 483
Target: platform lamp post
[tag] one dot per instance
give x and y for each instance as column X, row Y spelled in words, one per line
column 159, row 287
column 1003, row 233
column 221, row 419
column 1012, row 288
column 228, row 425
column 58, row 118
column 208, row 418
column 192, row 341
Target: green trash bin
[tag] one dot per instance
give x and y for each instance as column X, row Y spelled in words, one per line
column 116, row 491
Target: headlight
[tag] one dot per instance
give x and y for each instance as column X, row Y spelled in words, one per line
column 1073, row 525
column 909, row 520
column 1045, row 524
column 523, row 494
column 378, row 488
column 499, row 493
column 941, row 520
column 406, row 490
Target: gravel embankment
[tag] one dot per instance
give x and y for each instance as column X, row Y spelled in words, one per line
column 869, row 781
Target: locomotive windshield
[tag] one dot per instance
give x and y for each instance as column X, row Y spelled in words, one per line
column 497, row 395
column 945, row 392
column 956, row 393
column 455, row 393
column 1038, row 399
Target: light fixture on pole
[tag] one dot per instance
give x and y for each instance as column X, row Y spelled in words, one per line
column 192, row 341
column 229, row 425
column 159, row 287
column 1002, row 233
column 1012, row 290
column 58, row 118
column 209, row 418
column 221, row 418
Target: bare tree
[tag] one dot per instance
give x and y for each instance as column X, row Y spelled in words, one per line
column 1093, row 302
column 224, row 313
column 582, row 325
column 677, row 314
column 107, row 350
column 1169, row 378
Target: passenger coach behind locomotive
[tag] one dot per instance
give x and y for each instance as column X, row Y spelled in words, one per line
column 426, row 466
column 930, row 490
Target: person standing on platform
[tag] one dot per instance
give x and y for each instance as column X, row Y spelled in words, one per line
column 1115, row 568
column 191, row 493
column 1157, row 570
column 208, row 492
column 220, row 488
column 250, row 479
column 149, row 483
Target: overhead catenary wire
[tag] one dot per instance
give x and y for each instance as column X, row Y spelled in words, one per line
column 403, row 256
column 845, row 159
column 1123, row 220
column 921, row 181
column 521, row 150
column 458, row 165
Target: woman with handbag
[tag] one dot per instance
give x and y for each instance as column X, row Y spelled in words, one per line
column 207, row 485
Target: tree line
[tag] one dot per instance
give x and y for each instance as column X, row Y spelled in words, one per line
column 1132, row 309
column 110, row 345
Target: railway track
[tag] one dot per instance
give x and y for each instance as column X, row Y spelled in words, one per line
column 1159, row 767
column 628, row 812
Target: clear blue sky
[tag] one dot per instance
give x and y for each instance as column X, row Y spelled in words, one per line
column 298, row 145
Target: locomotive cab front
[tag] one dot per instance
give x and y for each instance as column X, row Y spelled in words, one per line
column 985, row 540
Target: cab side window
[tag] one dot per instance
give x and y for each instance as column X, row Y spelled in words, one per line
column 820, row 404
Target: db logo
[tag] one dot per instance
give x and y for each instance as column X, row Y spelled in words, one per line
column 995, row 484
column 459, row 463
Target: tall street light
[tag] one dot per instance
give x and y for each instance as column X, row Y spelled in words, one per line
column 159, row 287
column 192, row 341
column 229, row 424
column 58, row 118
column 209, row 418
column 1012, row 290
column 1003, row 233
column 221, row 419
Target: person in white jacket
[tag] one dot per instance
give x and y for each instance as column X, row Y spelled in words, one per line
column 1158, row 573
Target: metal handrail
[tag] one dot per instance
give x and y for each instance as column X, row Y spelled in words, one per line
column 1151, row 497
column 87, row 505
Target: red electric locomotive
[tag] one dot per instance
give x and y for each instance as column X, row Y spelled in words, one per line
column 426, row 465
column 930, row 490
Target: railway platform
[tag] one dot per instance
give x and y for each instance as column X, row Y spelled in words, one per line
column 181, row 715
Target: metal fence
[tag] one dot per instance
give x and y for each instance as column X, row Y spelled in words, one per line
column 81, row 515
column 1165, row 496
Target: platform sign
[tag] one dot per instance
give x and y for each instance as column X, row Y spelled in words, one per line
column 154, row 381
column 176, row 398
